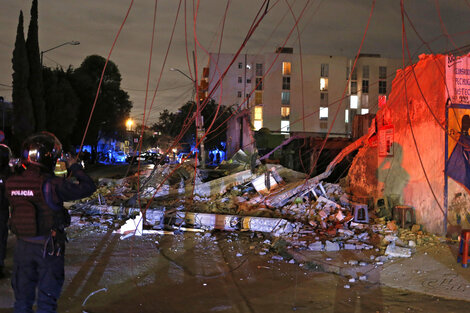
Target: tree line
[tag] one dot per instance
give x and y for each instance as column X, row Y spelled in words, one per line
column 60, row 101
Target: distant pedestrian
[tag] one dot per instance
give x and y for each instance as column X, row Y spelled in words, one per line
column 39, row 219
column 5, row 172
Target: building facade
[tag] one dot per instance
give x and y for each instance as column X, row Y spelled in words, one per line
column 291, row 94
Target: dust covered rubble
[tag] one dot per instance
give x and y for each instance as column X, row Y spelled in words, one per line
column 318, row 219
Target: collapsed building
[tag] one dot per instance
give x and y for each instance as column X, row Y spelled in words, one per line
column 416, row 152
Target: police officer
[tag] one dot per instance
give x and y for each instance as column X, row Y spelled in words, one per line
column 5, row 155
column 38, row 220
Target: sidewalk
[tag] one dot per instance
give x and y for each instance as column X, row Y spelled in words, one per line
column 432, row 270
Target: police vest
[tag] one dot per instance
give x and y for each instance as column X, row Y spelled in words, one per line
column 30, row 214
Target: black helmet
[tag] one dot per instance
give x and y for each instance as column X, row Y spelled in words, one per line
column 5, row 155
column 42, row 149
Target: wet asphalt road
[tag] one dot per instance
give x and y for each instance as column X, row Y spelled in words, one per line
column 222, row 272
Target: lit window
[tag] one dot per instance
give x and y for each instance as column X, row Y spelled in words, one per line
column 323, row 113
column 323, row 84
column 285, row 127
column 258, row 98
column 285, row 112
column 258, row 113
column 346, row 116
column 285, row 97
column 258, row 118
column 364, row 111
column 286, row 68
column 353, row 102
column 248, row 66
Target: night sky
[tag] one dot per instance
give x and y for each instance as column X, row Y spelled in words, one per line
column 330, row 27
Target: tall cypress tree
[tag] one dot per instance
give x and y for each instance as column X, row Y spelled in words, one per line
column 23, row 117
column 35, row 84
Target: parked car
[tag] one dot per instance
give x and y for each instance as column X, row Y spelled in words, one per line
column 119, row 157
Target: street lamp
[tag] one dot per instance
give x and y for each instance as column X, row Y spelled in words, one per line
column 199, row 126
column 73, row 43
column 129, row 124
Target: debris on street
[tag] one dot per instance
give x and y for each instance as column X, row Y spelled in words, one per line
column 245, row 195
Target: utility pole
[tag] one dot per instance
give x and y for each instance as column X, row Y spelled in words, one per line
column 200, row 131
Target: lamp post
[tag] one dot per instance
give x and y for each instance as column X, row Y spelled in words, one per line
column 73, row 43
column 199, row 124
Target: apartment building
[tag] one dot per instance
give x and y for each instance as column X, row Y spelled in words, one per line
column 291, row 94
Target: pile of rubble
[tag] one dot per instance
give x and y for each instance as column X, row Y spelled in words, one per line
column 308, row 214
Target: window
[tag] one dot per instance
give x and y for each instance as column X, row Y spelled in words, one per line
column 365, row 86
column 286, row 68
column 258, row 98
column 324, row 70
column 239, row 94
column 353, row 88
column 286, row 82
column 285, row 127
column 258, row 117
column 248, row 80
column 382, row 72
column 365, row 71
column 259, row 83
column 382, row 87
column 285, row 113
column 354, row 74
column 364, row 111
column 323, row 113
column 240, row 65
column 365, row 101
column 324, row 99
column 346, row 116
column 285, row 97
column 353, row 102
column 259, row 69
column 240, row 79
column 323, row 84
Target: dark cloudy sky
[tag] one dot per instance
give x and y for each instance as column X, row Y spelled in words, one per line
column 333, row 27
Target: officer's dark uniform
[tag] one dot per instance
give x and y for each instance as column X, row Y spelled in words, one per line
column 4, row 213
column 38, row 219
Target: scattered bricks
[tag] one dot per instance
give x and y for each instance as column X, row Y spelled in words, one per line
column 415, row 228
column 363, row 278
column 362, row 263
column 331, row 246
column 353, row 262
column 392, row 226
column 331, row 231
column 352, row 280
column 349, row 246
column 411, row 244
column 316, row 246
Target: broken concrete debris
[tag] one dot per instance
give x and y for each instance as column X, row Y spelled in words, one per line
column 307, row 214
